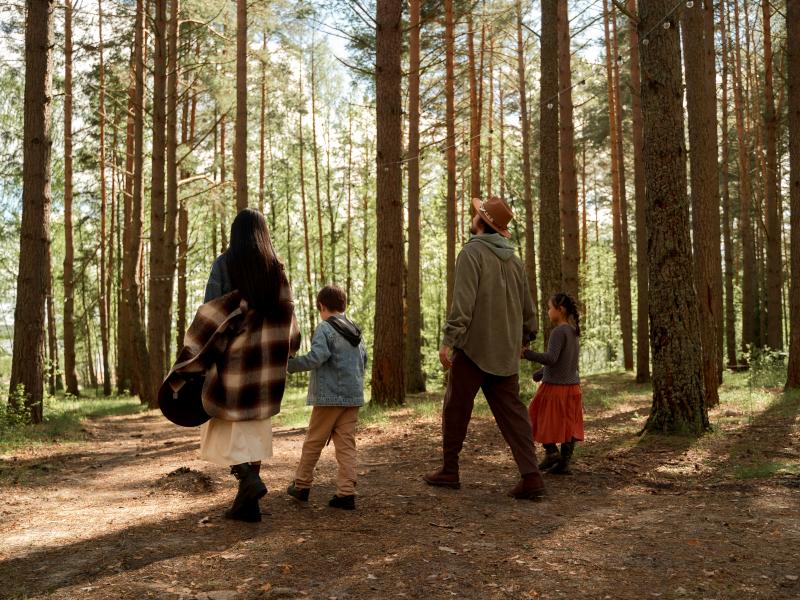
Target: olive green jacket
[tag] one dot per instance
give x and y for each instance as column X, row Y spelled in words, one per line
column 492, row 315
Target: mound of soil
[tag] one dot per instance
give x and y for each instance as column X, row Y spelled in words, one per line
column 186, row 480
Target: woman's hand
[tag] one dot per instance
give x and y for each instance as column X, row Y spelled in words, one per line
column 444, row 357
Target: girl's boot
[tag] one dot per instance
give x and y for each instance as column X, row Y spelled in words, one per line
column 551, row 457
column 251, row 489
column 562, row 466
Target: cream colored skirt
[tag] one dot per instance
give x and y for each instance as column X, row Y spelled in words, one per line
column 234, row 442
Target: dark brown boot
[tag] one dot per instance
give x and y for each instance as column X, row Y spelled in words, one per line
column 531, row 487
column 551, row 457
column 562, row 466
column 440, row 478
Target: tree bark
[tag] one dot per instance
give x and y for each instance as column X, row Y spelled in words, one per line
column 730, row 311
column 750, row 316
column 415, row 379
column 70, row 374
column 102, row 299
column 133, row 253
column 262, row 126
column 171, row 214
column 678, row 395
column 315, row 152
column 774, row 259
column 640, row 190
column 450, row 146
column 53, row 372
column 527, row 192
column 26, row 385
column 549, row 220
column 388, row 387
column 793, row 61
column 701, row 108
column 624, row 256
column 474, row 116
column 240, row 142
column 307, row 247
column 570, row 258
column 490, row 120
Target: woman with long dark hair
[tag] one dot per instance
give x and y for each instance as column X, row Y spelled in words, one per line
column 250, row 372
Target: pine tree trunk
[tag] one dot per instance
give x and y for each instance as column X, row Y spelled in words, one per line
column 502, row 127
column 262, row 125
column 640, row 189
column 315, row 153
column 158, row 250
column 388, row 387
column 53, row 372
column 678, row 395
column 70, row 374
column 102, row 300
column 530, row 243
column 133, row 253
column 750, row 316
column 240, row 142
column 415, row 379
column 568, row 174
column 624, row 256
column 474, row 116
column 549, row 219
column 307, row 245
column 450, row 145
column 701, row 109
column 112, row 302
column 730, row 311
column 171, row 215
column 793, row 61
column 774, row 259
column 26, row 385
column 349, row 184
column 490, row 121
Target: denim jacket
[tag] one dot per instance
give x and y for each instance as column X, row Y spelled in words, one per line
column 219, row 283
column 337, row 369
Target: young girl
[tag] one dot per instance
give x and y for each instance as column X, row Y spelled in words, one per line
column 556, row 411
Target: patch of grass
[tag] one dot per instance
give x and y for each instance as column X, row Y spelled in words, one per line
column 63, row 416
column 764, row 470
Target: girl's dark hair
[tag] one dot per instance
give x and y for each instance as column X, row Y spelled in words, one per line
column 253, row 267
column 567, row 302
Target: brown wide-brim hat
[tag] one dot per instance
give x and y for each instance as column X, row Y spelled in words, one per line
column 496, row 213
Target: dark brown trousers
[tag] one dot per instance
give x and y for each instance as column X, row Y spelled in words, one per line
column 502, row 394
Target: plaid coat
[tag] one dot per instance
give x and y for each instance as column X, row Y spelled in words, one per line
column 242, row 354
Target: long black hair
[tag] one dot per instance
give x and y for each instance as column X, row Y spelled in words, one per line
column 253, row 266
column 567, row 302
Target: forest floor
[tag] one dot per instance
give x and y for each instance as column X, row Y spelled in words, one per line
column 129, row 511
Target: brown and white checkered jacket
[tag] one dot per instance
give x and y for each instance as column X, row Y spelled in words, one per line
column 243, row 356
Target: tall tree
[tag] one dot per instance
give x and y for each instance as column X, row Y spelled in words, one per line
column 474, row 114
column 640, row 188
column 621, row 264
column 240, row 142
column 27, row 365
column 388, row 387
column 701, row 102
column 527, row 190
column 549, row 220
column 315, row 154
column 568, row 174
column 793, row 61
column 730, row 311
column 103, row 301
column 415, row 379
column 450, row 144
column 750, row 316
column 773, row 231
column 133, row 253
column 70, row 374
column 158, row 305
column 678, row 395
column 171, row 211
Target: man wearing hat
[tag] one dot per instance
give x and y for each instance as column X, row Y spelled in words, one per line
column 491, row 317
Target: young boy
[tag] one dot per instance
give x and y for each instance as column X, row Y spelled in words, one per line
column 336, row 391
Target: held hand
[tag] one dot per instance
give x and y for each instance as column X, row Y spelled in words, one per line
column 444, row 357
column 538, row 376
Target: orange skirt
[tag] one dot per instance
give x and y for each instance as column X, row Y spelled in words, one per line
column 556, row 414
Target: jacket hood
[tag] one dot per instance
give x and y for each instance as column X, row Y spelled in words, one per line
column 346, row 328
column 496, row 242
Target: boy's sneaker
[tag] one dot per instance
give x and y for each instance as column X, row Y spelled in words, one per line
column 297, row 494
column 343, row 502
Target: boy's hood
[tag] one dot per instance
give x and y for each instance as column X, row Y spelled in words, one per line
column 348, row 330
column 496, row 242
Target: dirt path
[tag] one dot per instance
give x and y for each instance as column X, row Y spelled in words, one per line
column 659, row 518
